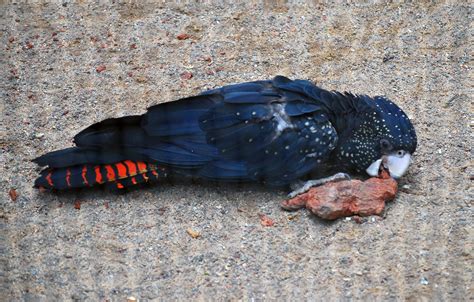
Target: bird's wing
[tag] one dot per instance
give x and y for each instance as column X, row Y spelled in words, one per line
column 279, row 133
column 266, row 130
column 168, row 133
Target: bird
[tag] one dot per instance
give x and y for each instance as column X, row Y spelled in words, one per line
column 278, row 132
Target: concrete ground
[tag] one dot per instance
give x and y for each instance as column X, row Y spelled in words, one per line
column 53, row 84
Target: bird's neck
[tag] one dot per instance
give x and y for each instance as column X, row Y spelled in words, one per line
column 346, row 112
column 347, row 116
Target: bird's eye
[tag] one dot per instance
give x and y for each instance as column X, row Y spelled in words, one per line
column 385, row 144
column 400, row 153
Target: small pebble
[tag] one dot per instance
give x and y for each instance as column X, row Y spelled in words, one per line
column 141, row 79
column 100, row 68
column 182, row 36
column 13, row 194
column 39, row 135
column 186, row 75
column 194, row 234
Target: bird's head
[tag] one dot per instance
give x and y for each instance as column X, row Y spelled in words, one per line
column 382, row 135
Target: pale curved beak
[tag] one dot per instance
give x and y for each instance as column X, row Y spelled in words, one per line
column 396, row 165
column 374, row 168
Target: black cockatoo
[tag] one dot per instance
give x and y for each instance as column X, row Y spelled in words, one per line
column 276, row 132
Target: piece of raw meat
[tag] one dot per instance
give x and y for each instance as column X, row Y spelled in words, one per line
column 346, row 198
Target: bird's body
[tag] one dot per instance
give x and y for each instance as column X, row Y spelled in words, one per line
column 275, row 132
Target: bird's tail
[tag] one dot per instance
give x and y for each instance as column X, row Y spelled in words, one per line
column 118, row 175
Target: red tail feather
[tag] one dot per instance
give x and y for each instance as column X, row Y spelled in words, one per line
column 120, row 175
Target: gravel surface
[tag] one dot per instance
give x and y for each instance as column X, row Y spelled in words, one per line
column 66, row 66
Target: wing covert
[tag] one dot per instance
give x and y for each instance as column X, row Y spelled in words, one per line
column 281, row 134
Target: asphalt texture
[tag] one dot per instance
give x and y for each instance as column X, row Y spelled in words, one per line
column 67, row 65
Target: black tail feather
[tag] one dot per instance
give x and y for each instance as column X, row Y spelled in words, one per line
column 79, row 156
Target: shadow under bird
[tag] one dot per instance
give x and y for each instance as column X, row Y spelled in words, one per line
column 277, row 132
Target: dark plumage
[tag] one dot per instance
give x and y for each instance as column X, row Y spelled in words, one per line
column 274, row 131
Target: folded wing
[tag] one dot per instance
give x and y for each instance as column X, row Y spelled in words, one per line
column 272, row 131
